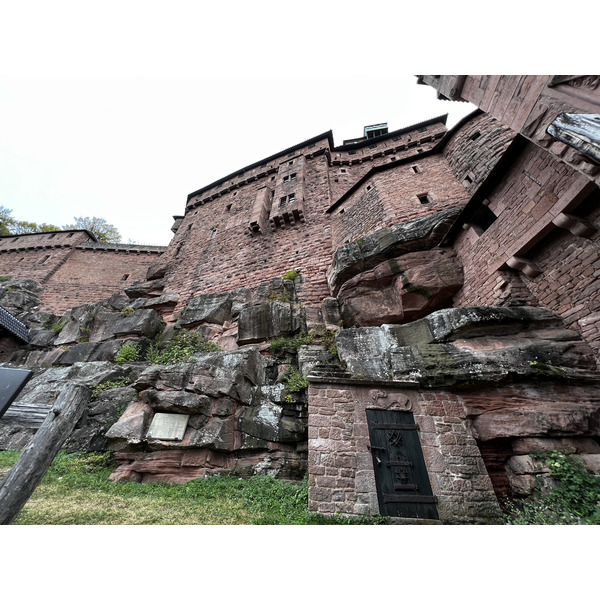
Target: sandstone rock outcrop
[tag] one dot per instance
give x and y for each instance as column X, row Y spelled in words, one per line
column 401, row 289
column 236, row 412
column 367, row 252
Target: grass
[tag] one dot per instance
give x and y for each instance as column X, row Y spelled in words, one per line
column 76, row 491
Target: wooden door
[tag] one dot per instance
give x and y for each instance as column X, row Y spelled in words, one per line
column 401, row 478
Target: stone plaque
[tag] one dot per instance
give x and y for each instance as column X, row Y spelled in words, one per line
column 168, row 426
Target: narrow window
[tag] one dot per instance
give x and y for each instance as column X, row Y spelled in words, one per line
column 475, row 136
column 423, row 198
column 282, row 201
column 415, row 169
column 286, row 179
column 125, row 277
column 228, row 207
column 212, row 235
column 293, row 177
column 291, row 198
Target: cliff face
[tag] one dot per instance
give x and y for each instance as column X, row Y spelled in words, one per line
column 450, row 279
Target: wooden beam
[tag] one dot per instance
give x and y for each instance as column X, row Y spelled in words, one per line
column 34, row 461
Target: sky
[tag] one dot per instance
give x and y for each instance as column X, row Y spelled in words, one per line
column 119, row 110
column 129, row 148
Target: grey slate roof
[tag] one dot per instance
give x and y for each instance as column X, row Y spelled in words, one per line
column 13, row 325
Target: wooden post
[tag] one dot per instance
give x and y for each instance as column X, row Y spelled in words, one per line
column 34, row 461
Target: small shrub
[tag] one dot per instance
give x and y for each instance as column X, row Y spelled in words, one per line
column 283, row 296
column 110, row 385
column 4, row 278
column 291, row 275
column 128, row 353
column 318, row 335
column 58, row 326
column 84, row 335
column 181, row 348
column 574, row 500
column 127, row 311
column 293, row 382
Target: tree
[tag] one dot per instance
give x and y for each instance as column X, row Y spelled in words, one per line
column 104, row 232
column 5, row 220
column 10, row 226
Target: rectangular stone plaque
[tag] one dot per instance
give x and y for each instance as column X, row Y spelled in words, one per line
column 12, row 381
column 168, row 426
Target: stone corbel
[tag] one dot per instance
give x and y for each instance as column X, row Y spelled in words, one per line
column 576, row 225
column 526, row 266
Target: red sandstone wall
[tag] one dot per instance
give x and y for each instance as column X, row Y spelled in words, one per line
column 391, row 196
column 349, row 164
column 474, row 150
column 37, row 256
column 93, row 275
column 524, row 203
column 529, row 103
column 214, row 250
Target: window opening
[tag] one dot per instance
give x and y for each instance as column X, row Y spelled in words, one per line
column 475, row 136
column 423, row 198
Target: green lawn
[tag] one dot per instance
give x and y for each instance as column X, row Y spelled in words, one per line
column 76, row 491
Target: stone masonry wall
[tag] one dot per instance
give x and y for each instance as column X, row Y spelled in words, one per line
column 397, row 194
column 93, row 273
column 525, row 203
column 341, row 478
column 474, row 150
column 72, row 268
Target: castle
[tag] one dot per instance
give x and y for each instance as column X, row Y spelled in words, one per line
column 458, row 269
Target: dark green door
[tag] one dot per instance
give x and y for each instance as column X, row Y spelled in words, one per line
column 403, row 487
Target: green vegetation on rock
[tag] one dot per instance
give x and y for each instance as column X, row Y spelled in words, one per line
column 180, row 348
column 573, row 498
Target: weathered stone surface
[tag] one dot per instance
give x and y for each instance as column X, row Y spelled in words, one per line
column 276, row 288
column 77, row 322
column 366, row 253
column 44, row 388
column 401, row 290
column 214, row 374
column 265, row 321
column 454, row 346
column 208, row 308
column 40, row 338
column 133, row 424
column 110, row 325
column 99, row 416
column 538, row 418
column 156, row 271
column 266, row 421
column 19, row 296
column 140, row 289
column 330, row 311
column 177, row 401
